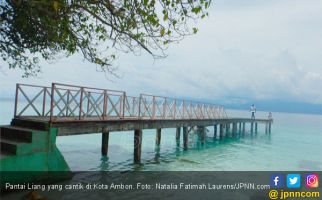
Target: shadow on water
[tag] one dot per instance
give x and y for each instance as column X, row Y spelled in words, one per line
column 138, row 166
column 309, row 164
column 104, row 166
column 157, row 154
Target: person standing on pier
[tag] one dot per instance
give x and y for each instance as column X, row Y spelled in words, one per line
column 253, row 110
column 270, row 116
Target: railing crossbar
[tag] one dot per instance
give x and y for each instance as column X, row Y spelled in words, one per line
column 113, row 106
column 30, row 102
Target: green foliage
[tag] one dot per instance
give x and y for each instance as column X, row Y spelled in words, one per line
column 31, row 30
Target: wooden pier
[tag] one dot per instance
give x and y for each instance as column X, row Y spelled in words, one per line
column 62, row 110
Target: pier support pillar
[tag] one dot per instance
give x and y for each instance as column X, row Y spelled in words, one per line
column 178, row 130
column 199, row 131
column 137, row 145
column 227, row 129
column 105, row 137
column 252, row 127
column 239, row 127
column 244, row 128
column 256, row 127
column 202, row 134
column 185, row 138
column 234, row 130
column 221, row 131
column 269, row 127
column 158, row 137
column 215, row 131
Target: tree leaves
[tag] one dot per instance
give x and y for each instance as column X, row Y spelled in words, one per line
column 162, row 32
column 34, row 30
column 56, row 5
column 195, row 30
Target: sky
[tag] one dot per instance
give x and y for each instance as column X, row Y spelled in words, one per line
column 258, row 50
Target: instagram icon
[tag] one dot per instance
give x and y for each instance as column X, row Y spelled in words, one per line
column 312, row 181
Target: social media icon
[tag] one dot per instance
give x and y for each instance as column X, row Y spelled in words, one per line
column 293, row 180
column 277, row 180
column 312, row 181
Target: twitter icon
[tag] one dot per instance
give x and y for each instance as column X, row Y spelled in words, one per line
column 293, row 180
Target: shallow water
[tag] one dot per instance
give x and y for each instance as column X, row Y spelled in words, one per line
column 294, row 144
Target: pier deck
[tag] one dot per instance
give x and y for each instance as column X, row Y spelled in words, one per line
column 94, row 125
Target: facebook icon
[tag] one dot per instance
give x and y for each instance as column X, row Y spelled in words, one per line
column 277, row 181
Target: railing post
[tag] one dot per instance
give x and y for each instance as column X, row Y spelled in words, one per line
column 105, row 105
column 52, row 101
column 153, row 107
column 124, row 96
column 206, row 111
column 174, row 109
column 81, row 103
column 16, row 100
column 133, row 106
column 165, row 107
column 88, row 99
column 213, row 111
column 44, row 102
column 67, row 103
column 140, row 99
column 201, row 111
column 190, row 114
column 221, row 114
column 183, row 109
column 198, row 111
column 216, row 112
column 120, row 109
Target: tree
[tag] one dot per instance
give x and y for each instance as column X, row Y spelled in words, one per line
column 31, row 30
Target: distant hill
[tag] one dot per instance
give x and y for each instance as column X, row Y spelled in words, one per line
column 267, row 105
column 280, row 106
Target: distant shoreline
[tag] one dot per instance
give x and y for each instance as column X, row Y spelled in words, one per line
column 276, row 111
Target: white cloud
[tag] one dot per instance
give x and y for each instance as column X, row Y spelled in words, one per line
column 254, row 49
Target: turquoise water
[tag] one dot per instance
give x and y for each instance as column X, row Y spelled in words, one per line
column 294, row 144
